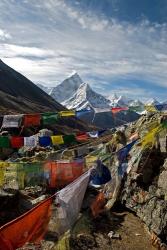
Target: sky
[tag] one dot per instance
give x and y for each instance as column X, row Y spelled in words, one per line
column 117, row 46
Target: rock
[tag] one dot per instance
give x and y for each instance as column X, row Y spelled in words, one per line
column 144, row 190
column 113, row 235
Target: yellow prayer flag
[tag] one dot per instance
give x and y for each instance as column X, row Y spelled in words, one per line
column 67, row 113
column 150, row 108
column 57, row 139
column 90, row 159
column 150, row 137
column 3, row 166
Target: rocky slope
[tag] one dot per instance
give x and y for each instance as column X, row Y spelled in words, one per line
column 144, row 189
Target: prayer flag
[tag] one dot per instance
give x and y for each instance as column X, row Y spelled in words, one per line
column 30, row 141
column 33, row 173
column 150, row 108
column 45, row 141
column 63, row 172
column 118, row 109
column 134, row 136
column 50, row 118
column 12, row 121
column 82, row 137
column 93, row 134
column 136, row 108
column 164, row 124
column 57, row 139
column 98, row 204
column 68, row 139
column 101, row 174
column 159, row 107
column 67, row 113
column 3, row 166
column 32, row 120
column 4, row 142
column 79, row 113
column 150, row 137
column 17, row 141
column 29, row 227
column 123, row 152
column 70, row 201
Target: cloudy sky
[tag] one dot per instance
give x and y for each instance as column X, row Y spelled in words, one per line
column 117, row 46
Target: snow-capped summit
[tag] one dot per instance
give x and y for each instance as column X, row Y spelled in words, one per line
column 152, row 101
column 121, row 101
column 135, row 103
column 85, row 97
column 67, row 88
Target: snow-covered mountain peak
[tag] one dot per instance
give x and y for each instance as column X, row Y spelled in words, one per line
column 152, row 101
column 67, row 88
column 135, row 103
column 85, row 97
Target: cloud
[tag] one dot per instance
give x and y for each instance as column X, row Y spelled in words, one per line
column 4, row 35
column 11, row 50
column 50, row 39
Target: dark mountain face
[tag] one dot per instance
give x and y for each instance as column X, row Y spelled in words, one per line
column 107, row 120
column 16, row 85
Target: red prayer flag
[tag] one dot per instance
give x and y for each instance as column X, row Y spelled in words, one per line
column 17, row 142
column 32, row 120
column 118, row 109
column 63, row 172
column 98, row 204
column 82, row 137
column 29, row 227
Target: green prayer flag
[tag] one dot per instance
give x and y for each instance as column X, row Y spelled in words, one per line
column 164, row 124
column 50, row 118
column 4, row 142
column 68, row 139
column 34, row 173
column 136, row 108
column 20, row 175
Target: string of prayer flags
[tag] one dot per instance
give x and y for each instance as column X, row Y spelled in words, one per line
column 29, row 227
column 50, row 118
column 118, row 109
column 67, row 113
column 45, row 141
column 12, row 121
column 32, row 120
column 17, row 141
column 4, row 142
column 57, row 139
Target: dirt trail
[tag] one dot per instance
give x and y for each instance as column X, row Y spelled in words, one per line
column 133, row 234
